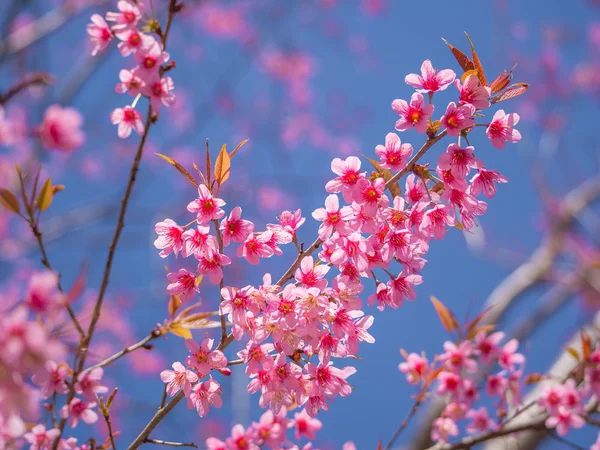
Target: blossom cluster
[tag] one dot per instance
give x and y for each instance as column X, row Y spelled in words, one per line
column 147, row 77
column 30, row 374
column 459, row 382
column 295, row 331
column 270, row 430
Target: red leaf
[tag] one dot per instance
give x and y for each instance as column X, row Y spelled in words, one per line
column 513, row 91
column 463, row 60
column 446, row 317
column 476, row 63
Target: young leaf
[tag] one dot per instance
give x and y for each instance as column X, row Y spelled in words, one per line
column 501, row 81
column 477, row 64
column 222, row 166
column 463, row 60
column 574, row 353
column 200, row 320
column 446, row 317
column 174, row 304
column 586, row 345
column 513, row 91
column 208, row 168
column 178, row 330
column 44, row 198
column 10, row 201
column 533, row 378
column 237, row 148
column 466, row 74
column 182, row 170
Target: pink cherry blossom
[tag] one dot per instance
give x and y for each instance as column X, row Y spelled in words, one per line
column 127, row 118
column 256, row 246
column 150, row 59
column 349, row 174
column 182, row 283
column 128, row 16
column 414, row 368
column 202, row 358
column 198, row 241
column 42, row 296
column 206, row 206
column 291, row 221
column 458, row 118
column 78, row 410
column 240, row 439
column 234, row 228
column 160, row 92
column 416, row 114
column 88, row 383
column 40, row 438
column 473, row 93
column 132, row 41
column 100, row 33
column 131, row 82
column 169, row 238
column 393, row 154
column 564, row 420
column 306, row 425
column 459, row 160
column 501, row 130
column 443, row 428
column 61, row 129
column 52, row 379
column 485, row 181
column 211, row 263
column 480, row 421
column 310, row 275
column 177, row 379
column 204, row 395
column 333, row 217
column 430, row 80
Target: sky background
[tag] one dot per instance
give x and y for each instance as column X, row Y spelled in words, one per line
column 351, row 58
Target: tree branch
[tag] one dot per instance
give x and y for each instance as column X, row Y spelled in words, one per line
column 170, row 444
column 30, row 80
column 143, row 343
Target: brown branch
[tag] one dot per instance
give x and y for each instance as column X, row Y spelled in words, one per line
column 405, row 422
column 158, row 417
column 170, row 444
column 84, row 346
column 289, row 274
column 411, row 164
column 110, row 431
column 30, row 80
column 141, row 344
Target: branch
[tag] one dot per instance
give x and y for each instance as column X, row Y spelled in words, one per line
column 30, row 80
column 170, row 444
column 411, row 164
column 405, row 422
column 290, row 272
column 38, row 29
column 143, row 343
column 160, row 414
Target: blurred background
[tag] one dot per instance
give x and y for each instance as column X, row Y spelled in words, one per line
column 307, row 81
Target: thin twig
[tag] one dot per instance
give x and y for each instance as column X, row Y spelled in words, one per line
column 110, row 431
column 158, row 417
column 290, row 272
column 405, row 422
column 411, row 164
column 143, row 343
column 170, row 444
column 30, row 80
